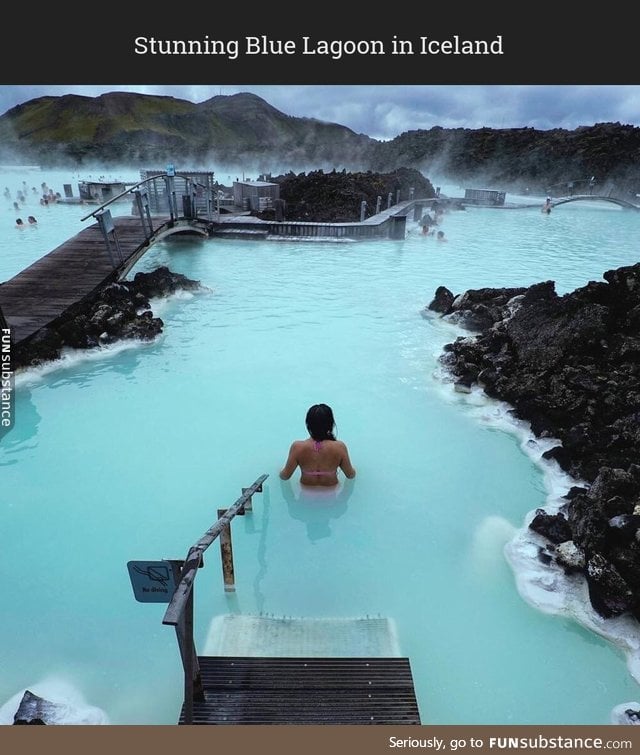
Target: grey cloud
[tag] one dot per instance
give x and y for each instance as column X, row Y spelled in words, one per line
column 385, row 111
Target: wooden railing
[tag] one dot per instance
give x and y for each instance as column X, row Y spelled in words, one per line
column 142, row 208
column 172, row 204
column 179, row 613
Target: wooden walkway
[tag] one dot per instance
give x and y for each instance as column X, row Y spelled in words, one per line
column 42, row 292
column 305, row 691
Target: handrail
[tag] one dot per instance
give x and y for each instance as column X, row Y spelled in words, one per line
column 135, row 186
column 122, row 193
column 194, row 556
column 574, row 181
column 179, row 613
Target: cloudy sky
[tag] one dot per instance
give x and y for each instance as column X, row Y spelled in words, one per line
column 383, row 112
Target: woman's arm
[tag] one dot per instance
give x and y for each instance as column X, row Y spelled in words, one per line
column 345, row 463
column 291, row 463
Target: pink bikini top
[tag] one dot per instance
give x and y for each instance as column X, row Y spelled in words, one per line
column 317, row 445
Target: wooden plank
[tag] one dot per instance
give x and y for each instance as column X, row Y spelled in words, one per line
column 295, row 672
column 306, row 691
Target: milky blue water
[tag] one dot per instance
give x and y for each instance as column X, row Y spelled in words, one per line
column 128, row 454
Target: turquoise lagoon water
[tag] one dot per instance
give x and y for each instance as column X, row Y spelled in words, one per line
column 128, row 453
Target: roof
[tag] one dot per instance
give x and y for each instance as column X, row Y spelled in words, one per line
column 256, row 183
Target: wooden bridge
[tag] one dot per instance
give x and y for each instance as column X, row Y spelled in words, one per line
column 99, row 254
column 595, row 198
column 41, row 293
column 555, row 202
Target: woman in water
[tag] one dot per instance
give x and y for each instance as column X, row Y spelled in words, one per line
column 320, row 455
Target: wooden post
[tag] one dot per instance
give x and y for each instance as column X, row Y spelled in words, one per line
column 142, row 205
column 193, row 689
column 248, row 506
column 171, row 197
column 188, row 669
column 226, row 552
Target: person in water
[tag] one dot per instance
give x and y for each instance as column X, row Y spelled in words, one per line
column 320, row 455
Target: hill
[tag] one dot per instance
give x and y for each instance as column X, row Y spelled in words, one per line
column 522, row 158
column 135, row 129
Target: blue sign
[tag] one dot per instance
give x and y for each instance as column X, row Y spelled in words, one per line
column 152, row 581
column 171, row 170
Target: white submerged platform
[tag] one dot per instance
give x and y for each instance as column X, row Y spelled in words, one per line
column 266, row 636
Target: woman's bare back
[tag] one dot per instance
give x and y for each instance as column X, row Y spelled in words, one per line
column 319, row 461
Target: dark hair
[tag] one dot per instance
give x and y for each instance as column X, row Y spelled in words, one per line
column 320, row 422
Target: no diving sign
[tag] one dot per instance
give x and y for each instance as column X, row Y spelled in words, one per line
column 152, row 581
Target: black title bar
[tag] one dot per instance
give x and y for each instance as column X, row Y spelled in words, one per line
column 531, row 45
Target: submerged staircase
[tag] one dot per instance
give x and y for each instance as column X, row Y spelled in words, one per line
column 267, row 670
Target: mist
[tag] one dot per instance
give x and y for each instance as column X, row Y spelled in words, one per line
column 385, row 111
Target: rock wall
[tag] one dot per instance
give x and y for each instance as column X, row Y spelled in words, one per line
column 115, row 312
column 570, row 365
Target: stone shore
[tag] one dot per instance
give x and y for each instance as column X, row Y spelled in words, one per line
column 570, row 366
column 117, row 311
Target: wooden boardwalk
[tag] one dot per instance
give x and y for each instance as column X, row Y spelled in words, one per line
column 244, row 690
column 42, row 292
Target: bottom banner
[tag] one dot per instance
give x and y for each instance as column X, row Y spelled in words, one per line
column 309, row 740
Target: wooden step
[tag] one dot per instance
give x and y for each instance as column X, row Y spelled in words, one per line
column 248, row 690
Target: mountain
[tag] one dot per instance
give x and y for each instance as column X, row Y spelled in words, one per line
column 243, row 130
column 136, row 129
